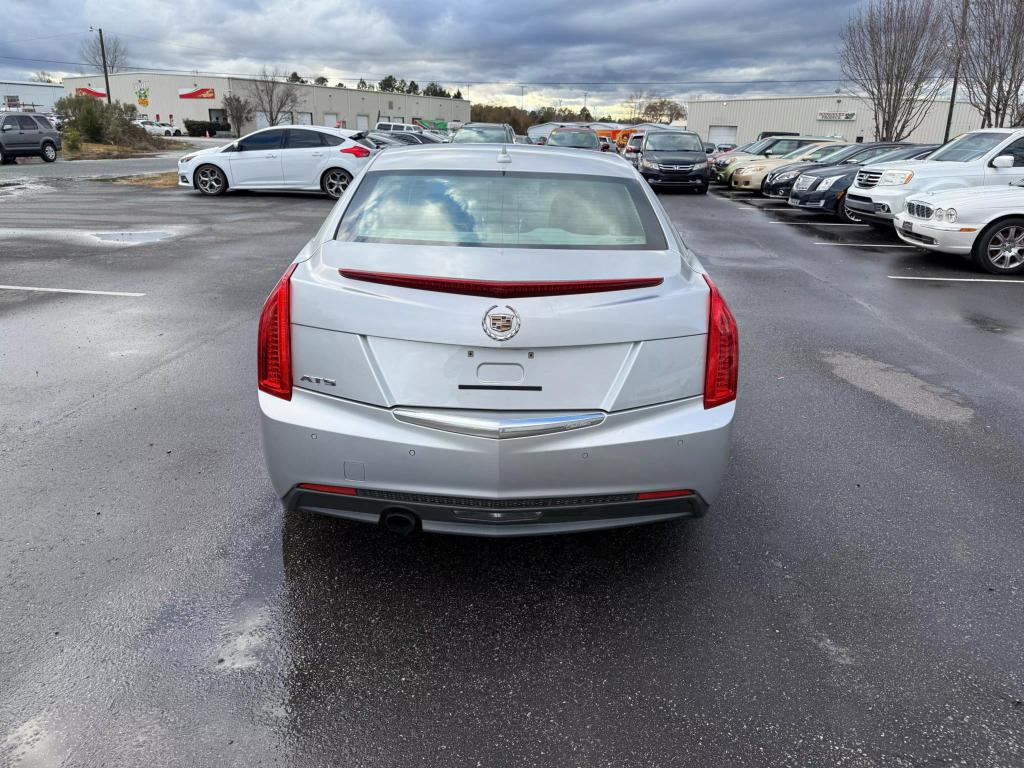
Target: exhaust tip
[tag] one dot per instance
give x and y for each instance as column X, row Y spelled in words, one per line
column 399, row 521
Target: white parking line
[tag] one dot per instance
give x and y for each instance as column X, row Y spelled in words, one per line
column 958, row 279
column 867, row 245
column 68, row 290
column 816, row 224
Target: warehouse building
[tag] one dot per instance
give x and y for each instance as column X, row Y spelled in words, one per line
column 175, row 98
column 738, row 121
column 28, row 97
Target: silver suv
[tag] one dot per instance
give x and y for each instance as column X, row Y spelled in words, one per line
column 23, row 135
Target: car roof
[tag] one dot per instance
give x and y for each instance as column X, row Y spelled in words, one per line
column 343, row 132
column 572, row 129
column 484, row 157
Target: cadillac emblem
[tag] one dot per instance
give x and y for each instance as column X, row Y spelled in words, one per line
column 501, row 323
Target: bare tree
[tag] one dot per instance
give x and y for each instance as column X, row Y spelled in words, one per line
column 239, row 109
column 664, row 110
column 988, row 43
column 42, row 76
column 272, row 95
column 897, row 53
column 117, row 53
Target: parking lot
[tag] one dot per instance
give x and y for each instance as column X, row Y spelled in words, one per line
column 854, row 597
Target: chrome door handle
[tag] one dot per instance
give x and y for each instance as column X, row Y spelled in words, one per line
column 316, row 154
column 270, row 157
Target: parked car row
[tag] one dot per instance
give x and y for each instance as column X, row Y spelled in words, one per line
column 965, row 197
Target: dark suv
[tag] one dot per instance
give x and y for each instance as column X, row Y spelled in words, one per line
column 23, row 135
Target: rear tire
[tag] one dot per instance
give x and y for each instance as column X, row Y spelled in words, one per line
column 48, row 152
column 7, row 160
column 210, row 180
column 334, row 182
column 999, row 250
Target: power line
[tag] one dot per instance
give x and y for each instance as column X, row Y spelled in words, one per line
column 45, row 37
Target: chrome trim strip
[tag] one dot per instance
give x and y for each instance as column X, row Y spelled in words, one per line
column 498, row 427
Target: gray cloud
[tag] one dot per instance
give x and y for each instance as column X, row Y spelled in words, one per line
column 575, row 46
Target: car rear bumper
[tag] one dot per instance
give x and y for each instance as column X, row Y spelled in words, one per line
column 571, row 481
column 945, row 238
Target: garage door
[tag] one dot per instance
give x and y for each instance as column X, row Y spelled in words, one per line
column 722, row 134
column 262, row 121
column 304, row 118
column 362, row 122
column 331, row 119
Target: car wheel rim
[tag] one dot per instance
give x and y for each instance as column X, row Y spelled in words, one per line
column 209, row 180
column 50, row 152
column 336, row 183
column 1006, row 248
column 851, row 216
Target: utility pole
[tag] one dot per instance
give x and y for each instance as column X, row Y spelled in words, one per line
column 522, row 98
column 956, row 68
column 103, row 56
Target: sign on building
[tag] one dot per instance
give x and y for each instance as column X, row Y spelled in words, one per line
column 832, row 117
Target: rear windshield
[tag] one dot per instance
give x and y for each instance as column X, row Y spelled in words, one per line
column 496, row 209
column 579, row 139
column 481, row 135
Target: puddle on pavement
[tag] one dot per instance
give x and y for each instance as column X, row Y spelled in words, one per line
column 131, row 238
column 989, row 324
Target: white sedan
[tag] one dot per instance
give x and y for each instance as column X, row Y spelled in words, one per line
column 985, row 224
column 295, row 157
column 158, row 129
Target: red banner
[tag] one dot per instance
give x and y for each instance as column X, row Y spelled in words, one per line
column 196, row 93
column 90, row 92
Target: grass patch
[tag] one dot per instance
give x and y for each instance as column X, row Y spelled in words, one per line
column 94, row 151
column 153, row 180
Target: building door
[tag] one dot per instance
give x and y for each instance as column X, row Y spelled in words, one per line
column 722, row 134
column 331, row 119
column 262, row 121
column 362, row 122
column 304, row 118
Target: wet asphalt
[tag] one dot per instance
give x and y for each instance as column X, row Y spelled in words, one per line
column 854, row 598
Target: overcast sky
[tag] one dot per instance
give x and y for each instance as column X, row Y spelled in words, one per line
column 457, row 42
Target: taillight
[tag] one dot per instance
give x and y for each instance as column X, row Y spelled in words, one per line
column 273, row 345
column 356, row 151
column 722, row 367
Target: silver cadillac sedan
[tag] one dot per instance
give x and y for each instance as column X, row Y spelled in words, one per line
column 497, row 341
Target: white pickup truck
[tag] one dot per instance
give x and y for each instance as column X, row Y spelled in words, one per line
column 979, row 158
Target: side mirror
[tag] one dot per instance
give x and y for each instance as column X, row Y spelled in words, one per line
column 8, row 127
column 630, row 149
column 605, row 146
column 709, row 150
column 1003, row 161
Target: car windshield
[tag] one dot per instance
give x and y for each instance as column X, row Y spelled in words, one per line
column 755, row 147
column 963, row 149
column 831, row 153
column 483, row 134
column 491, row 209
column 578, row 139
column 673, row 142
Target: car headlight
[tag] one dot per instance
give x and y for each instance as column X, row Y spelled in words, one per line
column 649, row 163
column 895, row 178
column 787, row 176
column 827, row 182
column 699, row 166
column 186, row 158
column 753, row 169
column 945, row 214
